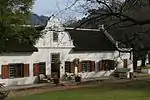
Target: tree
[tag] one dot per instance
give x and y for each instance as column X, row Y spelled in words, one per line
column 131, row 19
column 128, row 21
column 14, row 15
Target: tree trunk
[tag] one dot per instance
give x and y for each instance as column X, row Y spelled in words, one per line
column 143, row 62
column 148, row 58
column 143, row 58
column 134, row 61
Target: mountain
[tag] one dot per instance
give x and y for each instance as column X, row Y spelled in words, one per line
column 38, row 20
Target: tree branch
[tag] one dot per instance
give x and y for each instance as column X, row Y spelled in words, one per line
column 104, row 3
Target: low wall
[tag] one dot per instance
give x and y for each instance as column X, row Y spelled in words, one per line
column 18, row 81
column 95, row 74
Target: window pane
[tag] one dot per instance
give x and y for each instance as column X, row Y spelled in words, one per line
column 68, row 66
column 86, row 66
column 55, row 58
column 20, row 69
column 42, row 68
column 16, row 70
column 12, row 71
column 108, row 64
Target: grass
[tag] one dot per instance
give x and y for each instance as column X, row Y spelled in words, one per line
column 128, row 91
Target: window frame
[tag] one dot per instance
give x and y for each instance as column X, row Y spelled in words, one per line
column 86, row 66
column 107, row 65
column 14, row 74
column 57, row 59
column 55, row 36
column 68, row 68
column 43, row 64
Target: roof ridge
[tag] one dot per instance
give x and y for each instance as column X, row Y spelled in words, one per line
column 81, row 29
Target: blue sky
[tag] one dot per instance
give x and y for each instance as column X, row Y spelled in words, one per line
column 49, row 7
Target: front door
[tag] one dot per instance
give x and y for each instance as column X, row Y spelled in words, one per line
column 55, row 65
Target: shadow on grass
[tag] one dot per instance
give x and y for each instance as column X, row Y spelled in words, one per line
column 143, row 86
column 137, row 85
column 135, row 90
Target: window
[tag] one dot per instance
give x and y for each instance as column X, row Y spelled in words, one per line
column 16, row 70
column 55, row 37
column 68, row 66
column 39, row 68
column 42, row 68
column 107, row 65
column 86, row 66
column 55, row 57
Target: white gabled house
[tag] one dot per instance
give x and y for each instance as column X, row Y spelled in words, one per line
column 55, row 52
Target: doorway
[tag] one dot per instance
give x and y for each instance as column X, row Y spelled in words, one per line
column 55, row 65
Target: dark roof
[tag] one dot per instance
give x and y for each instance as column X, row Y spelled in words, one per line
column 40, row 27
column 90, row 40
column 15, row 46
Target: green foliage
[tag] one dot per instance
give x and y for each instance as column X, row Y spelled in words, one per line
column 27, row 34
column 14, row 15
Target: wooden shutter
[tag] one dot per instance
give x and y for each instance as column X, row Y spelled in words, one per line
column 26, row 70
column 125, row 63
column 93, row 65
column 16, row 70
column 72, row 67
column 5, row 71
column 80, row 67
column 36, row 69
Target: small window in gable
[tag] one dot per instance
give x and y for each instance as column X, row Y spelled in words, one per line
column 55, row 37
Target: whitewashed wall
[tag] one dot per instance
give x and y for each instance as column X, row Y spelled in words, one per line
column 101, row 56
column 44, row 56
column 11, row 58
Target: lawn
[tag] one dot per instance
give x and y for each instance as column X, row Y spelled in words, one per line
column 126, row 91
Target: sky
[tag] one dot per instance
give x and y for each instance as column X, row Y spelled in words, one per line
column 49, row 7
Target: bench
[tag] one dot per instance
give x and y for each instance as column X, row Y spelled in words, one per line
column 121, row 73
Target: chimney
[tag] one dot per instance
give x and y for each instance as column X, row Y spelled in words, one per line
column 101, row 27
